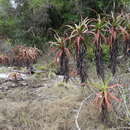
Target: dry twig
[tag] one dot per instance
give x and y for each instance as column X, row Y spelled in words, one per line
column 78, row 112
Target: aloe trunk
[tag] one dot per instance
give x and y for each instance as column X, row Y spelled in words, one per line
column 99, row 62
column 104, row 112
column 64, row 69
column 81, row 63
column 127, row 47
column 113, row 56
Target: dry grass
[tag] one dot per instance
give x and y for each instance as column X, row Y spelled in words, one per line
column 40, row 108
column 50, row 104
column 35, row 115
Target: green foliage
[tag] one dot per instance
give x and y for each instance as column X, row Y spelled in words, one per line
column 36, row 3
column 90, row 54
column 106, row 56
column 30, row 21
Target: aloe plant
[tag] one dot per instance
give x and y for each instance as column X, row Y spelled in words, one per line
column 125, row 31
column 114, row 26
column 98, row 29
column 77, row 36
column 62, row 55
column 4, row 59
column 25, row 56
column 104, row 98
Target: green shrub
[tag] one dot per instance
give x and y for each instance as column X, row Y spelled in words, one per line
column 90, row 54
column 106, row 56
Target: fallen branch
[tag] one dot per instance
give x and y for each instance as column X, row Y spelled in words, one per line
column 118, row 128
column 77, row 115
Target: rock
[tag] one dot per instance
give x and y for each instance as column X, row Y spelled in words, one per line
column 120, row 57
column 4, row 88
column 23, row 83
column 13, row 85
column 7, row 85
column 60, row 78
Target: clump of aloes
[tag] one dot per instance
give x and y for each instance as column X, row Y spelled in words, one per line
column 62, row 55
column 98, row 30
column 77, row 37
column 115, row 22
column 25, row 56
column 104, row 98
column 4, row 59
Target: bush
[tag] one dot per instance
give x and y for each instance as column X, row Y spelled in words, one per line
column 106, row 56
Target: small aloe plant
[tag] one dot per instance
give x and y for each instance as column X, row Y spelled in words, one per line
column 104, row 98
column 62, row 55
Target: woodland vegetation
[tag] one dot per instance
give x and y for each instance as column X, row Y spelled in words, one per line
column 30, row 21
column 84, row 31
column 95, row 27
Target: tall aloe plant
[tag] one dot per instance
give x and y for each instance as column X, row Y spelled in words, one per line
column 77, row 37
column 126, row 37
column 125, row 31
column 114, row 26
column 98, row 29
column 62, row 55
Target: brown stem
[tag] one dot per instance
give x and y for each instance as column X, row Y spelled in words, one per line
column 104, row 111
column 99, row 62
column 127, row 48
column 113, row 56
column 81, row 63
column 64, row 67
